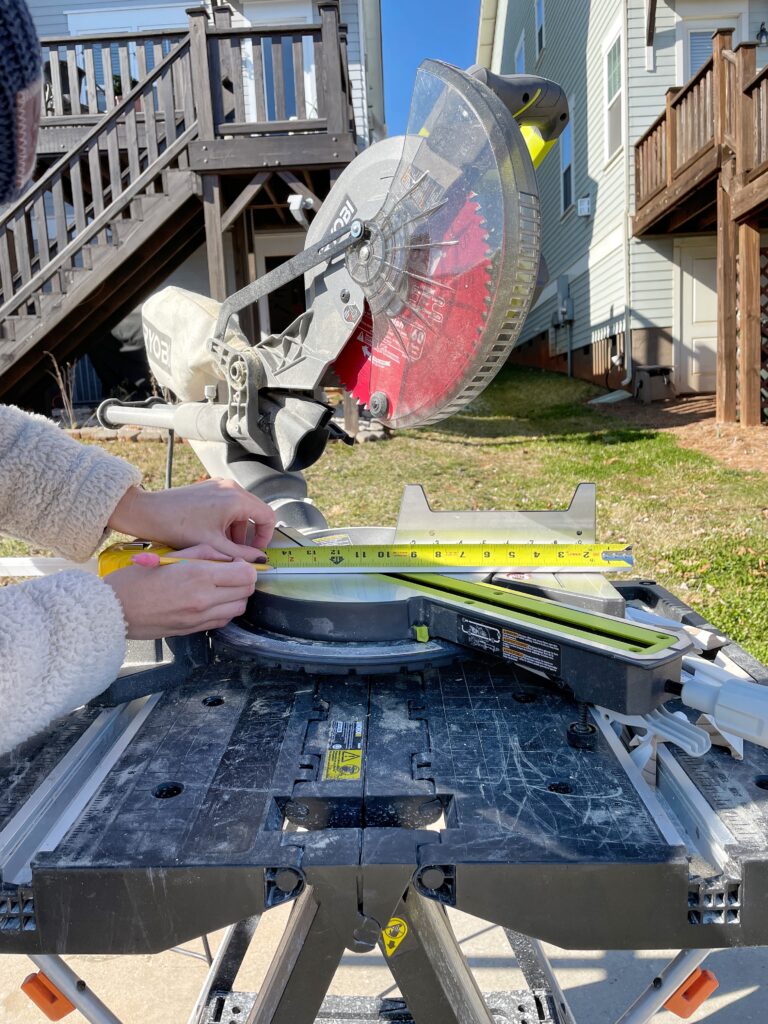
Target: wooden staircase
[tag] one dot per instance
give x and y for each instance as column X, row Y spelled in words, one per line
column 86, row 242
column 143, row 182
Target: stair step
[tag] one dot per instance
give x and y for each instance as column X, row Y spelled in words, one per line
column 14, row 327
column 70, row 277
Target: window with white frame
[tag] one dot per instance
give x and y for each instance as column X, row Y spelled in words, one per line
column 566, row 163
column 613, row 97
column 539, row 8
column 520, row 56
column 699, row 50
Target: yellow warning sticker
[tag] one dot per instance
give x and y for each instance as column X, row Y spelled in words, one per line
column 394, row 934
column 343, row 764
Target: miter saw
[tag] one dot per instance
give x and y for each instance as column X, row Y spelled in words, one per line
column 456, row 728
column 420, row 269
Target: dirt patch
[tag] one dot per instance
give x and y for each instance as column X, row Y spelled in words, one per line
column 692, row 420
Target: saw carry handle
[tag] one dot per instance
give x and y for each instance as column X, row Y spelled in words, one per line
column 538, row 105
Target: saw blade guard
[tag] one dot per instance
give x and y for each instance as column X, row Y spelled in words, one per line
column 449, row 265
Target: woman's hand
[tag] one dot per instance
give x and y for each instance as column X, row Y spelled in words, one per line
column 216, row 512
column 186, row 597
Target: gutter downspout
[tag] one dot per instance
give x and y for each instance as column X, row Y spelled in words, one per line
column 627, row 268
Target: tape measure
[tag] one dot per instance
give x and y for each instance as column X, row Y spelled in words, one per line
column 357, row 558
column 449, row 558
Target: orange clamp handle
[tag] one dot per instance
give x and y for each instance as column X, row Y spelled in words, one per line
column 46, row 996
column 696, row 988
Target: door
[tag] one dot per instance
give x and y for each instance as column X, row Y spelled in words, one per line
column 696, row 341
column 280, row 308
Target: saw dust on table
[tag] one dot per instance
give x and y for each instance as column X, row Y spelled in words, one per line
column 692, row 421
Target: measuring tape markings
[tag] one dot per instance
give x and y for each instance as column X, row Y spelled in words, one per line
column 375, row 558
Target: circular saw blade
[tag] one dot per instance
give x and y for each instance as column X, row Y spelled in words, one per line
column 450, row 262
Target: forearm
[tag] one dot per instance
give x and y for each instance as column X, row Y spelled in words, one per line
column 54, row 491
column 62, row 642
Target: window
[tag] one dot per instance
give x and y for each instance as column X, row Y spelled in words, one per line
column 539, row 26
column 566, row 164
column 699, row 50
column 520, row 56
column 613, row 112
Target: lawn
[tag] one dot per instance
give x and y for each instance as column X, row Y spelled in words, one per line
column 697, row 527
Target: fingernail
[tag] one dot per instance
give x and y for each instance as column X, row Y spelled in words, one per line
column 261, row 559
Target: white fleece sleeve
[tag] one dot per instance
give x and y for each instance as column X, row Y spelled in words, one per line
column 55, row 491
column 62, row 642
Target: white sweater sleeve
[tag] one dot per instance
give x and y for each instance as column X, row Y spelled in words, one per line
column 62, row 641
column 54, row 491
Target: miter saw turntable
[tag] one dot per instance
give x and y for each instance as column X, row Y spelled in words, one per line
column 375, row 741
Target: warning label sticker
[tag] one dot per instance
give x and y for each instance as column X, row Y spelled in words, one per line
column 343, row 764
column 529, row 652
column 344, row 758
column 394, row 934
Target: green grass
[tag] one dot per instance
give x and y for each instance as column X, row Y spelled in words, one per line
column 697, row 527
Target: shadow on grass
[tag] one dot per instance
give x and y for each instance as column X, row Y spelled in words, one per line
column 572, row 426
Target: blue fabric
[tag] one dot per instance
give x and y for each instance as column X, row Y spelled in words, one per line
column 19, row 69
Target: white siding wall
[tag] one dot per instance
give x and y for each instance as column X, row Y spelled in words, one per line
column 573, row 56
column 349, row 12
column 651, row 262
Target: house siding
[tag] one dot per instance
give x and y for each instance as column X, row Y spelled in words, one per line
column 350, row 15
column 573, row 56
column 51, row 20
column 651, row 270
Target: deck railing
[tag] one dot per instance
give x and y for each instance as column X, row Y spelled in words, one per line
column 722, row 109
column 45, row 235
column 756, row 142
column 276, row 79
column 214, row 82
column 683, row 133
column 90, row 74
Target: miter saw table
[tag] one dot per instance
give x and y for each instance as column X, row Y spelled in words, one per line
column 131, row 829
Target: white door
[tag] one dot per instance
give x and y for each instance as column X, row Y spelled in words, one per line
column 280, row 308
column 696, row 340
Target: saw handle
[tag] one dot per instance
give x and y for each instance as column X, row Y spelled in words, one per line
column 538, row 105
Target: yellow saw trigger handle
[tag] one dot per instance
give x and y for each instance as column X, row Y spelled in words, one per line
column 120, row 555
column 537, row 104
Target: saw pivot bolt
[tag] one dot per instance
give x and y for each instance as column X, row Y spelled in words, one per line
column 581, row 734
column 356, row 229
column 378, row 404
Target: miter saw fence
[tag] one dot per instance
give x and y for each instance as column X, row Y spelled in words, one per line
column 420, row 269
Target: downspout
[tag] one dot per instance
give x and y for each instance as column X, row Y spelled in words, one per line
column 627, row 268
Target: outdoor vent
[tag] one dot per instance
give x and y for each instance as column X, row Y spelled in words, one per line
column 584, row 206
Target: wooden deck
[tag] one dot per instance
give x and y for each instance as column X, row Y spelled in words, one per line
column 702, row 166
column 166, row 154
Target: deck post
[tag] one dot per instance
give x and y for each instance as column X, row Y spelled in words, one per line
column 743, row 116
column 332, row 84
column 201, row 83
column 727, row 247
column 721, row 40
column 749, row 316
column 201, row 71
column 671, row 139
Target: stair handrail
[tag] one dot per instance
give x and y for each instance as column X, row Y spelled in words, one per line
column 110, row 116
column 101, row 221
